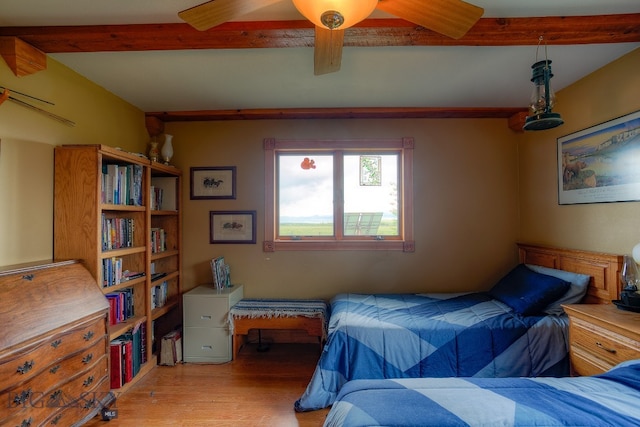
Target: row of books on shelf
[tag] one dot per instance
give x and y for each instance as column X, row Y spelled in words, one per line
column 117, row 233
column 121, row 305
column 159, row 295
column 128, row 353
column 158, row 240
column 113, row 273
column 122, row 184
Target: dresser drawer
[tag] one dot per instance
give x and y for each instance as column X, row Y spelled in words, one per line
column 83, row 391
column 585, row 363
column 595, row 349
column 33, row 360
column 55, row 376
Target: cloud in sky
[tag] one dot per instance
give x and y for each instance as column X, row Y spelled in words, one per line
column 309, row 192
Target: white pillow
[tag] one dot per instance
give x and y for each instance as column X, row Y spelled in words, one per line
column 578, row 289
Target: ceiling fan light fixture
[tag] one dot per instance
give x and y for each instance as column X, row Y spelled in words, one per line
column 332, row 19
column 347, row 12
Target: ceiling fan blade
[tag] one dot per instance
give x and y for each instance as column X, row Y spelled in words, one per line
column 453, row 18
column 215, row 12
column 327, row 54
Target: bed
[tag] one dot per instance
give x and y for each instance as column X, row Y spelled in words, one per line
column 498, row 333
column 609, row 399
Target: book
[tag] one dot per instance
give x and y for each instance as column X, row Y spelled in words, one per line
column 134, row 335
column 220, row 273
column 156, row 276
column 143, row 342
column 116, row 352
column 128, row 360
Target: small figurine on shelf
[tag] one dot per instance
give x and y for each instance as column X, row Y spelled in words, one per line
column 167, row 149
column 154, row 152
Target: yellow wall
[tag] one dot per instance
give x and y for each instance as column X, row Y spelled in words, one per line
column 478, row 187
column 27, row 139
column 465, row 204
column 606, row 94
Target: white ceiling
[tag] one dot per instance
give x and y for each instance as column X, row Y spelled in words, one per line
column 419, row 76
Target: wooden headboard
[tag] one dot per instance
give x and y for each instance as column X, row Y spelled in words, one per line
column 603, row 268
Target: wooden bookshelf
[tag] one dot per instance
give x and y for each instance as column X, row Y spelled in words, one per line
column 81, row 209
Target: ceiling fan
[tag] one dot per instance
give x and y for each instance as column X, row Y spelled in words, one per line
column 452, row 18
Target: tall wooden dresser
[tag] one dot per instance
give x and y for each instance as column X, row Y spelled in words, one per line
column 53, row 345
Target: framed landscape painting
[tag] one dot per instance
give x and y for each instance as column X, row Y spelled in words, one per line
column 601, row 164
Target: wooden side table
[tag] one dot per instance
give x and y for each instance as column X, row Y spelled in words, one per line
column 601, row 336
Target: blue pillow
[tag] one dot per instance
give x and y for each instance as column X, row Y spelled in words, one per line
column 528, row 292
column 577, row 291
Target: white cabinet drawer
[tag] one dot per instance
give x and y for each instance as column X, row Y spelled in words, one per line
column 206, row 312
column 207, row 345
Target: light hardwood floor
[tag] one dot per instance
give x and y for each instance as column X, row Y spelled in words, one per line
column 257, row 389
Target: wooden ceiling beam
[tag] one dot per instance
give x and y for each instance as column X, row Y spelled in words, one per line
column 22, row 58
column 338, row 113
column 571, row 30
column 369, row 33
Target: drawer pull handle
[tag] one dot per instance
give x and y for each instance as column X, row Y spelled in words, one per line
column 88, row 381
column 56, row 420
column 26, row 367
column 56, row 343
column 91, row 403
column 610, row 350
column 54, row 369
column 26, row 423
column 205, row 317
column 55, row 396
column 207, row 347
column 88, row 336
column 22, row 398
column 28, row 277
column 87, row 358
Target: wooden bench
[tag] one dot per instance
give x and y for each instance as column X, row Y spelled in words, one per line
column 307, row 315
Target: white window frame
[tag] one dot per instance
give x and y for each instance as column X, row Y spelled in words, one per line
column 403, row 242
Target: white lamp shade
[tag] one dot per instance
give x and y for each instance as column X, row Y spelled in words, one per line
column 636, row 253
column 353, row 11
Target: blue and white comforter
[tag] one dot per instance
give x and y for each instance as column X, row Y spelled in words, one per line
column 432, row 335
column 611, row 399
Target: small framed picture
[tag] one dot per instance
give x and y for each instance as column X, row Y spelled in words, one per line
column 213, row 182
column 232, row 226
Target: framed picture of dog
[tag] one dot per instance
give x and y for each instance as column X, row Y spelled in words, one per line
column 232, row 227
column 213, row 182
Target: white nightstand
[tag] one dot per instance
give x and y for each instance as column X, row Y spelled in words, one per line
column 206, row 336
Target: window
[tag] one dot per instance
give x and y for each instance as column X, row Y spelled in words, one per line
column 338, row 195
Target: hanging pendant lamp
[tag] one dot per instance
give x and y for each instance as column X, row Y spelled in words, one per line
column 542, row 98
